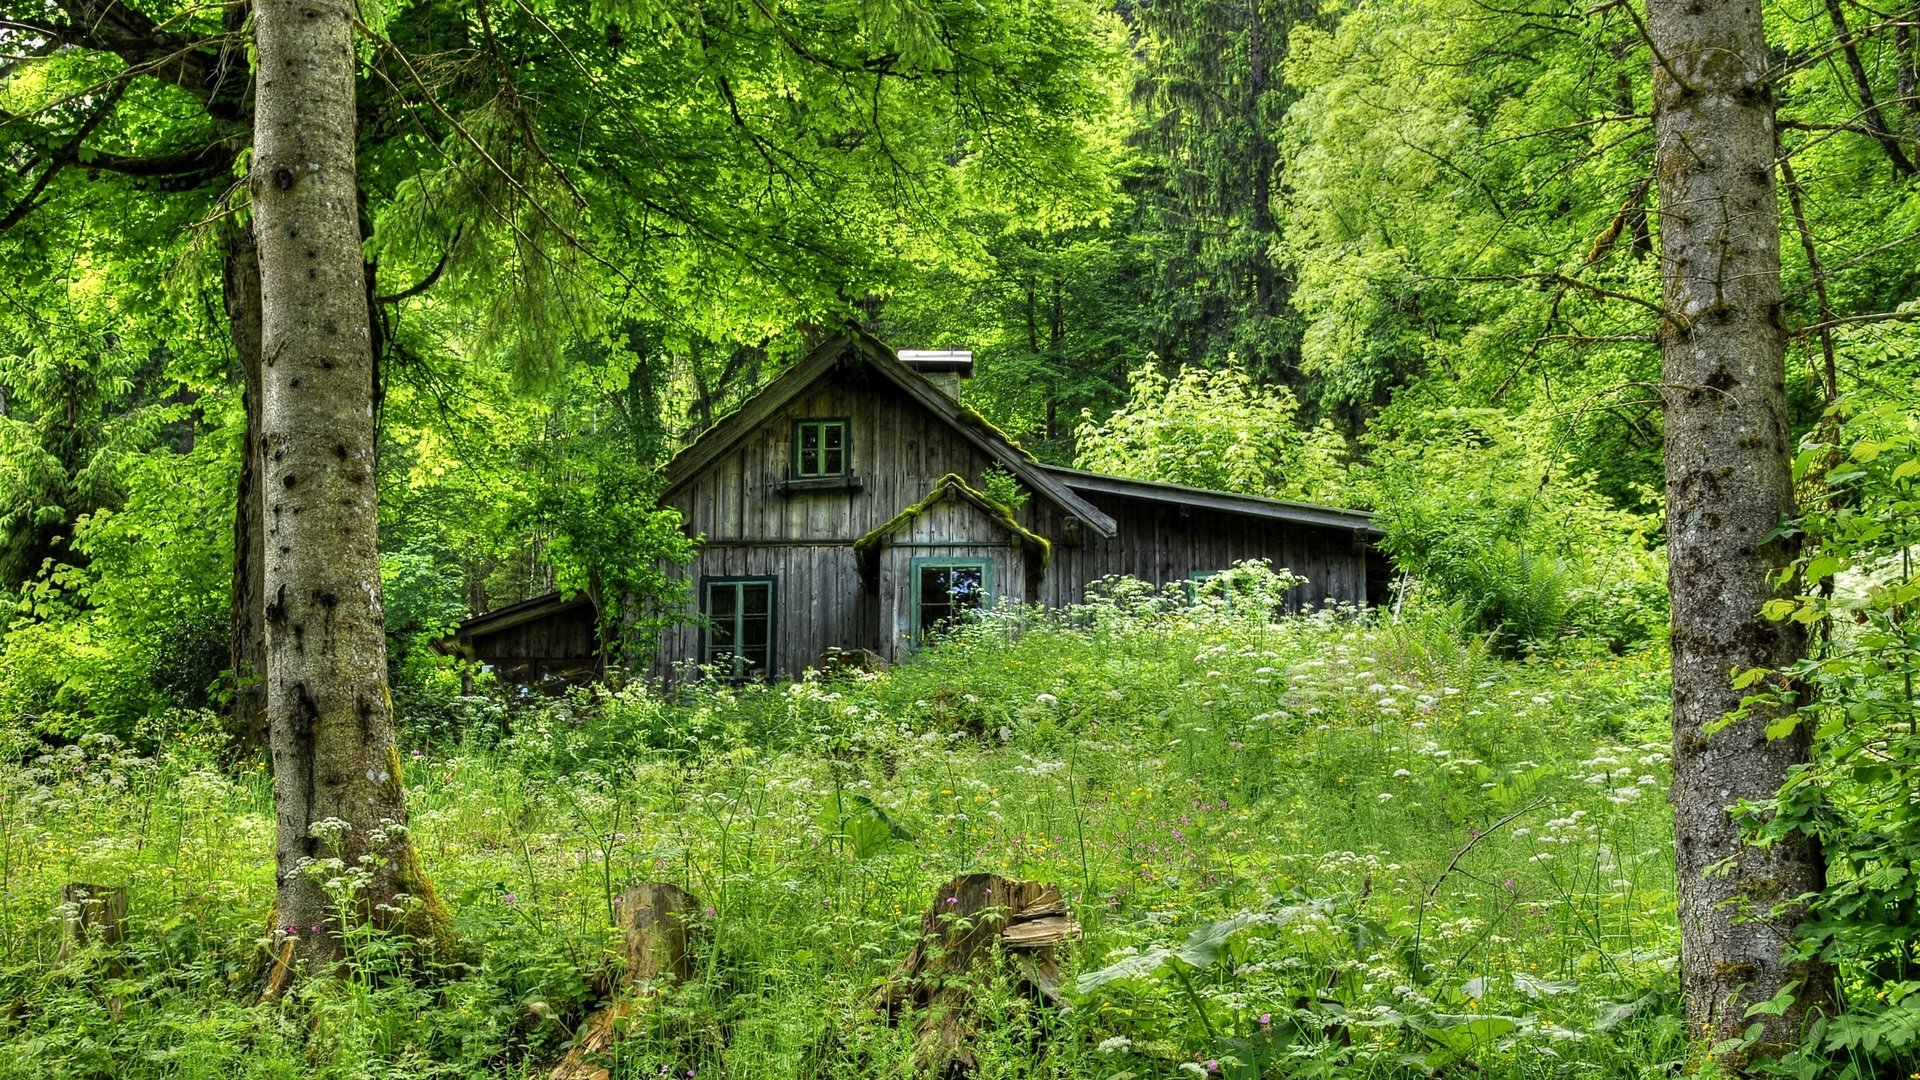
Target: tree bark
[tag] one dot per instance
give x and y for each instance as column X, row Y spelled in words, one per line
column 653, row 917
column 337, row 784
column 978, row 923
column 1729, row 485
column 246, row 638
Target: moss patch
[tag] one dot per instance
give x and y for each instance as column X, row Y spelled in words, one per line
column 953, row 485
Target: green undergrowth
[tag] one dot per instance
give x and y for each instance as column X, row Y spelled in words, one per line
column 1296, row 848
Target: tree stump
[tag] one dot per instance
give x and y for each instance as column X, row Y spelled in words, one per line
column 979, row 924
column 653, row 918
column 91, row 913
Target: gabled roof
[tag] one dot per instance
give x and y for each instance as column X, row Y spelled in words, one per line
column 855, row 346
column 1252, row 505
column 953, row 486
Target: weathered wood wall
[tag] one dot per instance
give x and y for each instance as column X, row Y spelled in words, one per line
column 1162, row 543
column 561, row 645
column 804, row 539
column 952, row 529
column 755, row 527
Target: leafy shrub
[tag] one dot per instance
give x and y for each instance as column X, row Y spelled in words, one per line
column 135, row 622
column 1858, row 583
column 1482, row 513
column 1215, row 429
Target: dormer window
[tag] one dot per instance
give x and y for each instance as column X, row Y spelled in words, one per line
column 821, row 449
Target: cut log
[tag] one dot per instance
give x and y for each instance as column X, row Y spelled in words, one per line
column 653, row 919
column 91, row 913
column 980, row 925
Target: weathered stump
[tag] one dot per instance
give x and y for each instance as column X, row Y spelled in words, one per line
column 980, row 924
column 91, row 913
column 653, row 918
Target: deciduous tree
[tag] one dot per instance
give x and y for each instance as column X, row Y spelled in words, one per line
column 1729, row 489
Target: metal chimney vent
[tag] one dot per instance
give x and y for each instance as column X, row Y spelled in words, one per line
column 944, row 368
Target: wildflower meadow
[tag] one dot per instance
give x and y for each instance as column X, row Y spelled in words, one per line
column 1319, row 845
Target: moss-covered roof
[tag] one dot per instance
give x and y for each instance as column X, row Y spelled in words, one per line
column 954, row 486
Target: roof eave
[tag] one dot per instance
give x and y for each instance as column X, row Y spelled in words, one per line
column 1330, row 517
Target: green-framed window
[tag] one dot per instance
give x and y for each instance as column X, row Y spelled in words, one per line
column 738, row 633
column 822, row 448
column 947, row 589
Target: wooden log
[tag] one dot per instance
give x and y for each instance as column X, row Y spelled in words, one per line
column 979, row 925
column 653, row 920
column 91, row 913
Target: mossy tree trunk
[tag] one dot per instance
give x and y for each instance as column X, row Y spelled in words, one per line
column 1729, row 486
column 337, row 786
column 246, row 640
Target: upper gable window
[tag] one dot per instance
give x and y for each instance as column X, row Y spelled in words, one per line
column 821, row 448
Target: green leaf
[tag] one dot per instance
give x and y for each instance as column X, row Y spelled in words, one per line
column 1203, row 947
column 1821, row 567
column 1776, row 1006
column 1144, row 965
column 1783, row 726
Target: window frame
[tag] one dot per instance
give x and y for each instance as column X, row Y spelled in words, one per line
column 924, row 562
column 846, row 447
column 772, row 582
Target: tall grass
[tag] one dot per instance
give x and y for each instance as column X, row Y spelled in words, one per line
column 1333, row 785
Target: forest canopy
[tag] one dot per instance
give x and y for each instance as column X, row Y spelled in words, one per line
column 1436, row 260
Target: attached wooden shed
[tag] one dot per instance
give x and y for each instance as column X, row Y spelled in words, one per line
column 545, row 640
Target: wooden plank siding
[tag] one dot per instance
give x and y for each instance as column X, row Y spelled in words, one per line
column 754, row 526
column 954, row 529
column 804, row 539
column 1163, row 543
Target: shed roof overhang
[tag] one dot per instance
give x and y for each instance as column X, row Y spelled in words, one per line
column 1296, row 513
column 460, row 642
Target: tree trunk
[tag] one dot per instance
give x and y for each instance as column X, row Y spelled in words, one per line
column 246, row 637
column 337, row 787
column 91, row 913
column 1729, row 485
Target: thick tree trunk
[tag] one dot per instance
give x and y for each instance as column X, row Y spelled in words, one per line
column 246, row 639
column 1729, row 485
column 337, row 789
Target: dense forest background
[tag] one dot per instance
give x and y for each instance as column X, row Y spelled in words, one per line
column 1398, row 256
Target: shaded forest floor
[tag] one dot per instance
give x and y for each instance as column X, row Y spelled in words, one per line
column 1336, row 790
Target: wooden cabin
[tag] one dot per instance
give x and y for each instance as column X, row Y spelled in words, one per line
column 843, row 507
